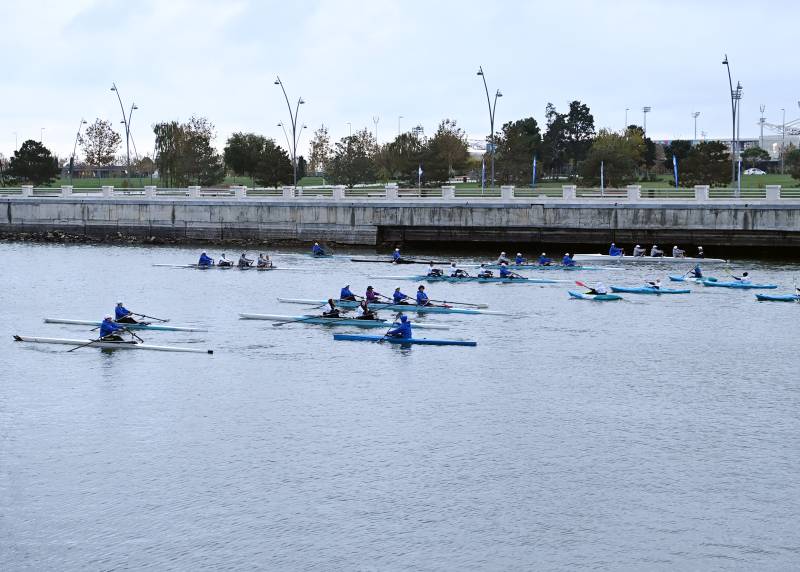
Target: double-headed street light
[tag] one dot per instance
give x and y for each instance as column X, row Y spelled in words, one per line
column 645, row 110
column 695, row 114
column 75, row 148
column 126, row 121
column 736, row 96
column 295, row 129
column 492, row 107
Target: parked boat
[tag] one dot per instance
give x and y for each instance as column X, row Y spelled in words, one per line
column 778, row 297
column 594, row 297
column 139, row 326
column 648, row 290
column 739, row 285
column 645, row 259
column 109, row 345
column 396, row 307
column 403, row 341
column 344, row 321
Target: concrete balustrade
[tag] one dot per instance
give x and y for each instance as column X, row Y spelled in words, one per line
column 239, row 191
column 507, row 192
column 448, row 192
column 773, row 192
column 108, row 191
column 27, row 190
column 66, row 190
column 568, row 192
column 391, row 191
column 701, row 192
column 338, row 192
column 288, row 192
column 634, row 192
column 150, row 191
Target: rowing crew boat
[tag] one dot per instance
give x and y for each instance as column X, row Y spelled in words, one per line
column 778, row 297
column 594, row 297
column 454, row 279
column 217, row 267
column 109, row 345
column 649, row 290
column 739, row 285
column 403, row 341
column 395, row 307
column 139, row 326
column 399, row 261
column 531, row 267
column 646, row 259
column 337, row 321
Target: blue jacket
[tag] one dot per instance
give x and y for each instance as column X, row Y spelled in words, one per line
column 567, row 261
column 107, row 328
column 345, row 293
column 422, row 298
column 205, row 260
column 544, row 260
column 317, row 249
column 396, row 255
column 401, row 331
column 519, row 260
column 398, row 297
column 697, row 272
column 504, row 271
column 121, row 312
column 614, row 251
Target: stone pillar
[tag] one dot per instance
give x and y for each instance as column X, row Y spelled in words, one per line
column 338, row 193
column 194, row 192
column 507, row 192
column 239, row 191
column 391, row 191
column 701, row 192
column 150, row 192
column 288, row 192
column 448, row 192
column 568, row 192
column 634, row 192
column 27, row 190
column 108, row 191
column 66, row 190
column 773, row 192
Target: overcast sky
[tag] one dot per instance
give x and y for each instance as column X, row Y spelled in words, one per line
column 355, row 60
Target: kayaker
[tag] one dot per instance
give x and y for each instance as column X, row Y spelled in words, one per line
column 745, row 277
column 519, row 259
column 396, row 255
column 403, row 330
column 506, row 273
column 456, row 272
column 205, row 260
column 331, row 311
column 346, row 294
column 399, row 298
column 656, row 252
column 656, row 284
column 700, row 253
column 245, row 262
column 697, row 272
column 364, row 313
column 422, row 297
column 372, row 295
column 433, row 271
column 638, row 251
column 224, row 261
column 317, row 250
column 677, row 252
column 502, row 258
column 544, row 260
column 108, row 330
column 599, row 288
column 122, row 315
column 484, row 272
column 614, row 250
column 264, row 261
column 567, row 260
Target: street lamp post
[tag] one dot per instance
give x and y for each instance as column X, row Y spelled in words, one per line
column 41, row 133
column 126, row 121
column 734, row 105
column 645, row 110
column 783, row 140
column 492, row 107
column 627, row 109
column 74, row 149
column 761, row 122
column 399, row 117
column 375, row 120
column 293, row 118
column 349, row 129
column 695, row 114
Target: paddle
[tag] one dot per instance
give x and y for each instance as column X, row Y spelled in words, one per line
column 90, row 342
column 384, row 336
column 150, row 317
column 459, row 303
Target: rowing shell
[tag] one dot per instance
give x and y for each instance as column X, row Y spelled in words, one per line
column 109, row 345
column 649, row 290
column 395, row 307
column 494, row 279
column 532, row 267
column 399, row 261
column 142, row 326
column 337, row 321
column 215, row 267
column 404, row 341
column 645, row 259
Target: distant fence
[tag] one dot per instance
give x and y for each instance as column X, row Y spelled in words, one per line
column 393, row 192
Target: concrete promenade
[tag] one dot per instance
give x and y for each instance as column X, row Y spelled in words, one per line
column 372, row 221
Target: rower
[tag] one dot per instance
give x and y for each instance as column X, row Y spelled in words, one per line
column 264, row 261
column 484, row 272
column 506, row 273
column 677, row 252
column 697, row 272
column 544, row 260
column 745, row 277
column 639, row 251
column 614, row 250
column 398, row 297
column 599, row 288
column 656, row 252
column 122, row 315
column 108, row 330
column 655, row 284
column 396, row 255
column 502, row 258
column 224, row 261
column 456, row 272
column 422, row 297
column 205, row 260
column 372, row 295
column 317, row 250
column 346, row 294
column 567, row 260
column 364, row 313
column 433, row 271
column 700, row 253
column 331, row 311
column 245, row 262
column 519, row 259
column 403, row 330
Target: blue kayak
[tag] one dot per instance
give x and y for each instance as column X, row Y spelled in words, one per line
column 685, row 278
column 648, row 290
column 418, row 341
column 595, row 297
column 739, row 285
column 778, row 297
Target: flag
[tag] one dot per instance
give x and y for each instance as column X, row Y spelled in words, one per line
column 739, row 177
column 533, row 177
column 675, row 169
column 419, row 175
column 483, row 173
column 602, row 175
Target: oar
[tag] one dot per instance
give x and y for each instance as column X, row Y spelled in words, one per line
column 460, row 303
column 150, row 317
column 90, row 342
column 301, row 319
column 384, row 336
column 132, row 334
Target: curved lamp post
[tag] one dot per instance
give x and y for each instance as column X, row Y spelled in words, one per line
column 127, row 122
column 492, row 107
column 736, row 95
column 74, row 149
column 295, row 132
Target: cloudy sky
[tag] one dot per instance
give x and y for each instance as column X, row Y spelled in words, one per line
column 356, row 60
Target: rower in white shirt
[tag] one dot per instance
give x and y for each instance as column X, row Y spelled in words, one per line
column 502, row 258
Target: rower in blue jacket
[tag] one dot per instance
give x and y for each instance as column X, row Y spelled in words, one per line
column 614, row 250
column 506, row 273
column 205, row 260
column 108, row 330
column 123, row 315
column 346, row 294
column 422, row 297
column 567, row 260
column 403, row 330
column 317, row 250
column 518, row 259
column 398, row 297
column 544, row 260
column 697, row 272
column 396, row 255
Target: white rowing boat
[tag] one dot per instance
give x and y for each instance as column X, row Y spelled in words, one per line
column 396, row 307
column 597, row 258
column 233, row 267
column 109, row 345
column 140, row 326
column 343, row 321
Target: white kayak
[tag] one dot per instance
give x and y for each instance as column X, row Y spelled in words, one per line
column 109, row 345
column 137, row 326
column 343, row 321
column 598, row 258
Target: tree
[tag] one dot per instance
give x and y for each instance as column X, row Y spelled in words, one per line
column 243, row 152
column 184, row 154
column 400, row 158
column 620, row 155
column 753, row 155
column 708, row 163
column 33, row 163
column 274, row 167
column 319, row 151
column 99, row 143
column 145, row 166
column 554, row 141
column 444, row 153
column 680, row 149
column 302, row 167
column 579, row 131
column 352, row 160
column 792, row 161
column 519, row 142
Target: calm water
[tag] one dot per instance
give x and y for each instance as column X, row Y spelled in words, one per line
column 650, row 434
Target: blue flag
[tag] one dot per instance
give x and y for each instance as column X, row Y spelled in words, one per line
column 602, row 176
column 483, row 173
column 533, row 177
column 675, row 169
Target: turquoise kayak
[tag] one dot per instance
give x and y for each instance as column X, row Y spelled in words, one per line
column 739, row 285
column 594, row 297
column 648, row 290
column 778, row 297
column 418, row 341
column 685, row 278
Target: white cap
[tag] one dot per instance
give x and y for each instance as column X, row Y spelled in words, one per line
column 519, row 254
column 676, row 246
column 567, row 254
column 502, row 253
column 397, row 250
column 543, row 254
column 109, row 317
column 637, row 246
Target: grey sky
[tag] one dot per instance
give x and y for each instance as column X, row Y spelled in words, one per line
column 354, row 60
